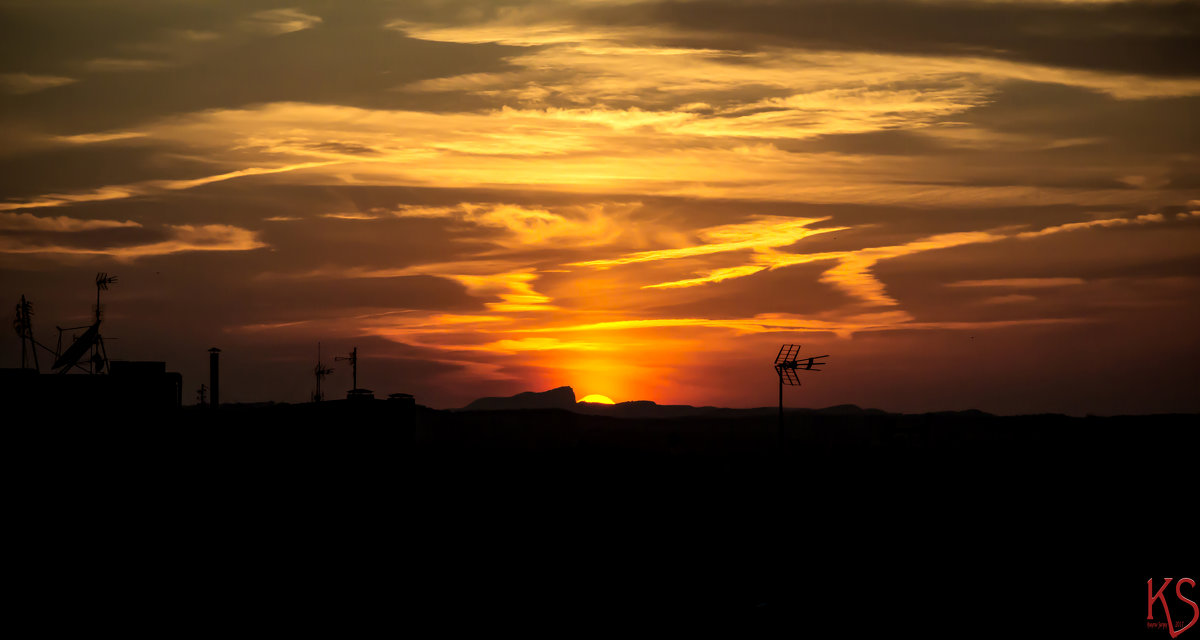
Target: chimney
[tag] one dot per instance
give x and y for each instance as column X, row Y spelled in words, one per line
column 214, row 377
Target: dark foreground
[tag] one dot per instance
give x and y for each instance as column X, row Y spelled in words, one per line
column 351, row 519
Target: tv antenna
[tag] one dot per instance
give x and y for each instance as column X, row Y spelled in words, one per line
column 353, row 360
column 102, row 282
column 23, row 325
column 320, row 371
column 786, row 365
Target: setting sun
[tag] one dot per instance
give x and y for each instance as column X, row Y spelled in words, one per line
column 598, row 399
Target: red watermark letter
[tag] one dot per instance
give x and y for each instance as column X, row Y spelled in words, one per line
column 1152, row 596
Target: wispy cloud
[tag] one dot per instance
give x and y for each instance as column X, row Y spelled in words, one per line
column 23, row 83
column 773, row 323
column 527, row 227
column 119, row 192
column 280, row 21
column 121, row 65
column 98, row 138
column 854, row 271
column 30, row 222
column 761, row 234
column 351, row 216
column 1019, row 283
column 181, row 238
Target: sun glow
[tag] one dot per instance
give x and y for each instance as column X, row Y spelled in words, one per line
column 598, row 399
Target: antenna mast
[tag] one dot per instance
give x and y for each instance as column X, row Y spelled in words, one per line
column 23, row 324
column 786, row 366
column 99, row 360
column 356, row 393
column 320, row 371
column 353, row 359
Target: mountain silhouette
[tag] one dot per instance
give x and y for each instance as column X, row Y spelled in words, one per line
column 564, row 398
column 560, row 398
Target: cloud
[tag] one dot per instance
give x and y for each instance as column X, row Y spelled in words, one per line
column 97, row 138
column 602, row 51
column 1149, row 38
column 195, row 35
column 1105, row 222
column 1019, row 283
column 711, row 276
column 592, row 150
column 854, row 271
column 280, row 21
column 350, row 216
column 760, row 234
column 121, row 65
column 30, row 222
column 1015, row 298
column 514, row 288
column 119, row 192
column 525, row 227
column 512, row 31
column 505, row 281
column 24, row 83
column 180, row 238
column 773, row 323
column 62, row 199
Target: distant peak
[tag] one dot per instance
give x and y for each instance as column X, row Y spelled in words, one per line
column 558, row 398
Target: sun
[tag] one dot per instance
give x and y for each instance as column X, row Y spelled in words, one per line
column 598, row 399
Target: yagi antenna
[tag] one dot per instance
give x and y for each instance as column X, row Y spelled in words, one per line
column 102, row 282
column 355, row 392
column 23, row 325
column 320, row 371
column 787, row 363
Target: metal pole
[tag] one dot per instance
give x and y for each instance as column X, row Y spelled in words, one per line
column 214, row 377
column 781, row 411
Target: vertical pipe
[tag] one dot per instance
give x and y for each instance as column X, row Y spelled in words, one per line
column 214, row 377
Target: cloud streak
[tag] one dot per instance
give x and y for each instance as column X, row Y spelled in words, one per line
column 180, row 239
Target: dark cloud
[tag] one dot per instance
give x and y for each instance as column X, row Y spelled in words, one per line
column 886, row 142
column 794, row 289
column 1150, row 38
column 1121, row 126
column 349, row 58
column 90, row 239
column 69, row 168
column 1130, row 256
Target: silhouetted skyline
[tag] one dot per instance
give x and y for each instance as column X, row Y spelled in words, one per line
column 972, row 204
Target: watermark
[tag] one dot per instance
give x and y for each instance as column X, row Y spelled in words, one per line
column 1172, row 627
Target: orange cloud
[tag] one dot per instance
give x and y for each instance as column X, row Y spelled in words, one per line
column 760, row 234
column 209, row 237
column 1019, row 283
column 30, row 222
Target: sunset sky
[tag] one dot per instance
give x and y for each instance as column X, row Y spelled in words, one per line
column 979, row 204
